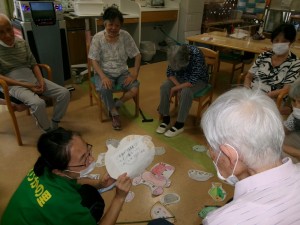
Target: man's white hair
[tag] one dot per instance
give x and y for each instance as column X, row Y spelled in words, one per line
column 250, row 122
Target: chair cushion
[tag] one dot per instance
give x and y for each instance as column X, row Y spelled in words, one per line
column 203, row 91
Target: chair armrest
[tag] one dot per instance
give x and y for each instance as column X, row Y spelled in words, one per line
column 5, row 91
column 47, row 69
column 282, row 94
column 241, row 79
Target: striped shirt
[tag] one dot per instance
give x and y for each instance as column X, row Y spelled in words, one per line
column 17, row 57
column 268, row 78
column 195, row 71
column 267, row 198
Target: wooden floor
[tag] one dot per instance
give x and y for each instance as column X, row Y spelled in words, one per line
column 15, row 161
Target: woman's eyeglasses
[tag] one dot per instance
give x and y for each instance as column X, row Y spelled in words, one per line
column 89, row 154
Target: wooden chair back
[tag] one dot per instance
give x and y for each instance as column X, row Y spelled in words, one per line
column 205, row 97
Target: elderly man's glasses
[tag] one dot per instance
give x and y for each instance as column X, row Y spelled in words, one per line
column 89, row 154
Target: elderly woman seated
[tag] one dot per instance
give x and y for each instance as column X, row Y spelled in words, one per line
column 109, row 52
column 275, row 69
column 187, row 74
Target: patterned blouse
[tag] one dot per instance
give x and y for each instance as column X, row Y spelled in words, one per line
column 268, row 78
column 112, row 57
column 196, row 69
column 292, row 123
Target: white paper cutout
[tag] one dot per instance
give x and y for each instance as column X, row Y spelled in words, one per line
column 155, row 184
column 160, row 150
column 199, row 175
column 170, row 198
column 93, row 176
column 113, row 142
column 159, row 211
column 130, row 196
column 162, row 170
column 199, row 148
column 208, row 153
column 217, row 192
column 101, row 160
column 156, row 179
column 133, row 155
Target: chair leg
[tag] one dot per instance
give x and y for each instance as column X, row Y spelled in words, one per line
column 16, row 127
column 91, row 94
column 198, row 112
column 176, row 101
column 235, row 68
column 101, row 110
column 232, row 73
column 242, row 68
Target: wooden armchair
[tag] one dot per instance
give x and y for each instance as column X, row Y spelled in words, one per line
column 14, row 105
column 279, row 100
column 204, row 97
column 227, row 55
column 93, row 93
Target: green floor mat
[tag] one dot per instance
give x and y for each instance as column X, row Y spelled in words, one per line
column 181, row 143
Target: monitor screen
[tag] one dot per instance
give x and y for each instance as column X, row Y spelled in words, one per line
column 43, row 11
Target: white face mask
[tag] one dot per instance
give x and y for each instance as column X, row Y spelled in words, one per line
column 296, row 112
column 232, row 179
column 86, row 171
column 5, row 45
column 281, row 48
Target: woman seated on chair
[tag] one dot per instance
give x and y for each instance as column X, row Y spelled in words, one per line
column 291, row 144
column 109, row 52
column 275, row 69
column 187, row 74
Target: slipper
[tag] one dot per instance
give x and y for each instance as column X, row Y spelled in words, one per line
column 162, row 128
column 199, row 175
column 173, row 132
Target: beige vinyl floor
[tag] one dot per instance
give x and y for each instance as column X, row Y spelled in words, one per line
column 15, row 161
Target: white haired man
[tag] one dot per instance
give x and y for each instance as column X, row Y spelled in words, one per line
column 19, row 69
column 245, row 132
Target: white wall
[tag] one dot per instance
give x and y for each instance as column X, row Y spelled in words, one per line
column 2, row 7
